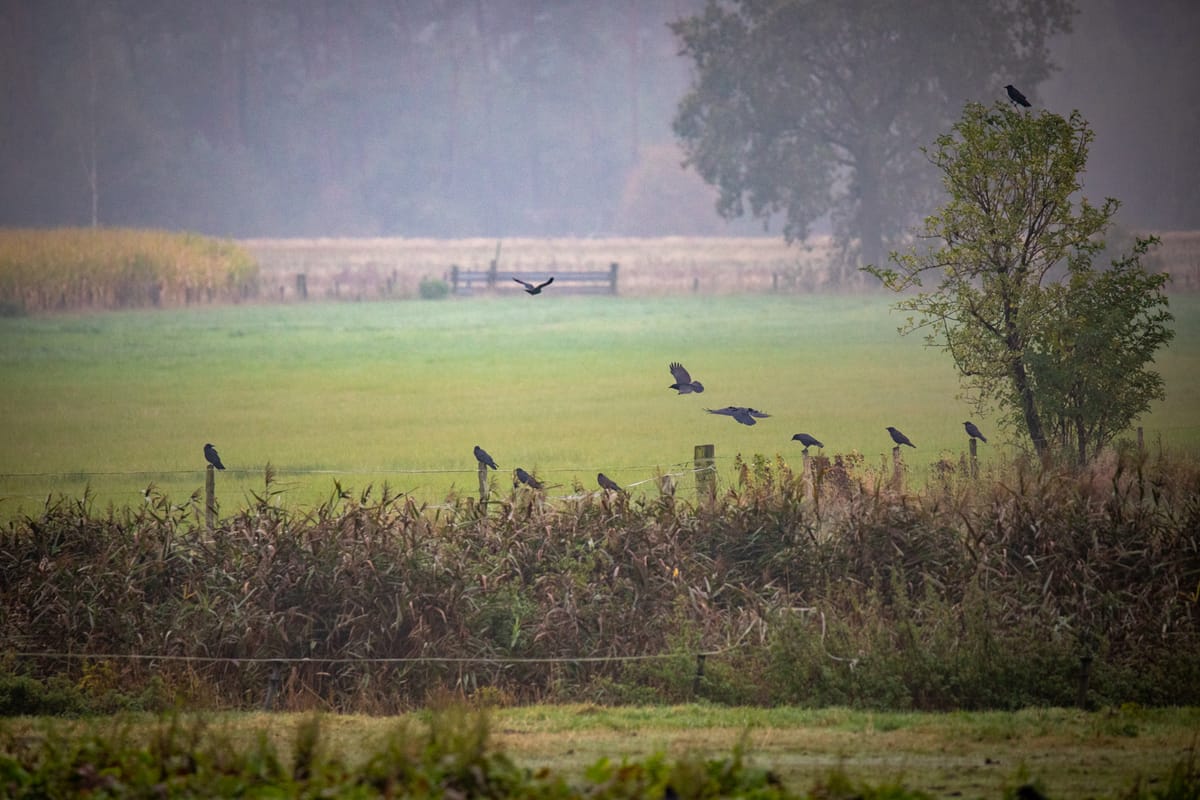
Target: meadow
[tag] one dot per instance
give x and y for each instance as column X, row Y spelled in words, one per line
column 399, row 392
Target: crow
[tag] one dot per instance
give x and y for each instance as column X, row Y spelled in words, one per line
column 527, row 479
column 806, row 440
column 531, row 289
column 482, row 457
column 607, row 483
column 210, row 455
column 683, row 381
column 899, row 438
column 973, row 432
column 1016, row 97
column 746, row 416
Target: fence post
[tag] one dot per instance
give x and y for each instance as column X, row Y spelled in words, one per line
column 706, row 483
column 1141, row 439
column 301, row 285
column 612, row 278
column 974, row 460
column 454, row 278
column 210, row 498
column 483, row 489
column 491, row 278
column 699, row 674
column 806, row 478
column 273, row 682
column 897, row 469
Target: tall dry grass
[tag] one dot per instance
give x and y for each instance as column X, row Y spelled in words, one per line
column 107, row 268
column 966, row 595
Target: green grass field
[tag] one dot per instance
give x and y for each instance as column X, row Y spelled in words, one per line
column 1068, row 754
column 400, row 392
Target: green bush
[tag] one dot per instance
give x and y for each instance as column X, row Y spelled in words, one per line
column 433, row 289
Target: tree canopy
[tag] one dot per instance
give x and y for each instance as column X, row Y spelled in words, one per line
column 1034, row 328
column 808, row 108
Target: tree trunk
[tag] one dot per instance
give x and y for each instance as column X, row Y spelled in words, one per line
column 1033, row 422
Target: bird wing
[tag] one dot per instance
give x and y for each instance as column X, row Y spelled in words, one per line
column 679, row 373
column 754, row 412
column 547, row 282
column 523, row 283
column 729, row 411
column 744, row 416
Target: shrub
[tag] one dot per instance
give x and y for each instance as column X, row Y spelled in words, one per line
column 433, row 289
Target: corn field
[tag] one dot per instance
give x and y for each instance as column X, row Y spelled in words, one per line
column 71, row 269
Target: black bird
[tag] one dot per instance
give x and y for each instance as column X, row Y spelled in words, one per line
column 607, row 483
column 746, row 416
column 482, row 457
column 210, row 455
column 683, row 381
column 527, row 479
column 899, row 438
column 1016, row 96
column 973, row 432
column 531, row 289
column 806, row 440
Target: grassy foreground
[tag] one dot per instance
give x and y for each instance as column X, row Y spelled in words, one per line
column 400, row 392
column 583, row 750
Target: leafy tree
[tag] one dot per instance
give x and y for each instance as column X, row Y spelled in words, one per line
column 1033, row 327
column 813, row 107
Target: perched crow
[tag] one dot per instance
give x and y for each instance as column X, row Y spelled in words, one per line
column 973, row 432
column 900, row 438
column 531, row 289
column 607, row 483
column 527, row 479
column 683, row 381
column 483, row 458
column 210, row 455
column 1016, row 96
column 746, row 416
column 806, row 440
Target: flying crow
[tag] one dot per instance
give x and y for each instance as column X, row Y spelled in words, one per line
column 607, row 483
column 483, row 458
column 527, row 479
column 683, row 381
column 899, row 438
column 1015, row 95
column 806, row 440
column 531, row 289
column 973, row 431
column 746, row 416
column 210, row 455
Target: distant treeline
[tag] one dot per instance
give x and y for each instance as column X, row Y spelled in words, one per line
column 70, row 269
column 1042, row 587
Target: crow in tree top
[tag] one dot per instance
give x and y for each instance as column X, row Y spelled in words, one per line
column 899, row 438
column 683, row 381
column 530, row 288
column 527, row 479
column 607, row 483
column 746, row 416
column 483, row 458
column 806, row 440
column 210, row 455
column 973, row 432
column 1016, row 96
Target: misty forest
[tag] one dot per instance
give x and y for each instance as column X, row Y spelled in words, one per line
column 533, row 118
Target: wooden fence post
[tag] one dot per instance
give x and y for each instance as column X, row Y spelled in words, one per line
column 699, row 674
column 483, row 485
column 703, row 457
column 1141, row 439
column 454, row 279
column 612, row 278
column 491, row 278
column 974, row 459
column 806, row 478
column 301, row 286
column 210, row 498
column 897, row 469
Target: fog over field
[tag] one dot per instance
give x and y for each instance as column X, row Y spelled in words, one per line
column 498, row 119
